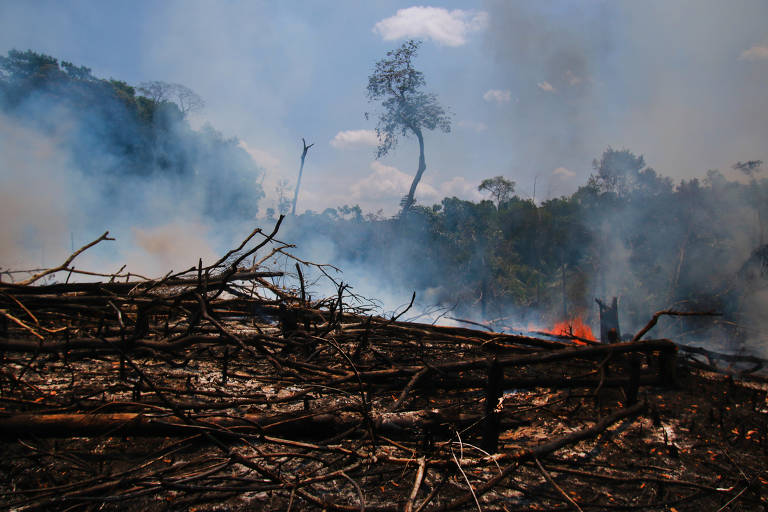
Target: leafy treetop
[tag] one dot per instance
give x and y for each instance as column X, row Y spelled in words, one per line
column 407, row 109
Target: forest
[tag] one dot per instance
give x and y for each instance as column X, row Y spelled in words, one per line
column 507, row 261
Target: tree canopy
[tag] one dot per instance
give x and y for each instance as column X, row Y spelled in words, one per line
column 406, row 109
column 500, row 188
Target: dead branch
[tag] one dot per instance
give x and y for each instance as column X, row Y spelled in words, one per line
column 66, row 263
column 654, row 320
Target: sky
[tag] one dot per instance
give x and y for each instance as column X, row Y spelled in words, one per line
column 537, row 90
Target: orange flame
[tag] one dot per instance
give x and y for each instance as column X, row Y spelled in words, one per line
column 574, row 327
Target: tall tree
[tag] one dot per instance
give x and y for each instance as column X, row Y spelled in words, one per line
column 406, row 108
column 617, row 172
column 500, row 188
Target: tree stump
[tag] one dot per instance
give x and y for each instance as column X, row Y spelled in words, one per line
column 609, row 321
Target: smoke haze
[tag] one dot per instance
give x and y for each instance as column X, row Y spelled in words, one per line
column 538, row 90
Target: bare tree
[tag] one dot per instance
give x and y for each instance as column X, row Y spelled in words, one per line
column 163, row 92
column 155, row 90
column 301, row 170
column 186, row 99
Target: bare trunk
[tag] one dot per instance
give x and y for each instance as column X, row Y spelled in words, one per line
column 301, row 170
column 408, row 201
column 565, row 292
column 679, row 266
column 609, row 321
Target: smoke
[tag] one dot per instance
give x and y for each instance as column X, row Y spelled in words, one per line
column 681, row 81
column 36, row 199
column 548, row 55
column 78, row 161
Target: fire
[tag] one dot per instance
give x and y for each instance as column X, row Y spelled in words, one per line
column 574, row 327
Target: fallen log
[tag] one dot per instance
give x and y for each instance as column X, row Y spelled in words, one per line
column 587, row 352
column 126, row 287
column 303, row 425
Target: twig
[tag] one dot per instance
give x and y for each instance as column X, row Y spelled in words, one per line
column 466, row 479
column 559, row 489
column 396, row 317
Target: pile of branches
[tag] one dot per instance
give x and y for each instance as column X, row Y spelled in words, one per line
column 227, row 387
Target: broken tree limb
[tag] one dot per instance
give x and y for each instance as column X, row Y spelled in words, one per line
column 407, row 389
column 493, row 392
column 654, row 320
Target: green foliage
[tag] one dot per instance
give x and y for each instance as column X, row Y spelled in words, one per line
column 623, row 173
column 28, row 67
column 636, row 236
column 406, row 109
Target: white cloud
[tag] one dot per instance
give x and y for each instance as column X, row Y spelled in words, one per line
column 459, row 187
column 498, row 95
column 387, row 185
column 545, row 86
column 384, row 183
column 564, row 172
column 262, row 158
column 472, row 125
column 449, row 28
column 351, row 138
column 755, row 53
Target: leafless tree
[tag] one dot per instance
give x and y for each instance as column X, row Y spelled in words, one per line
column 163, row 92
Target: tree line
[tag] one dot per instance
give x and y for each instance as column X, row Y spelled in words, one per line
column 628, row 232
column 111, row 131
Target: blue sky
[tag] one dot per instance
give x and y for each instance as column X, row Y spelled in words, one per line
column 537, row 89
